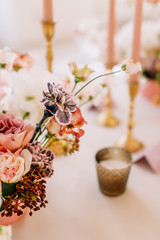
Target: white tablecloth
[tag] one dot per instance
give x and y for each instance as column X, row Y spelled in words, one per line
column 77, row 210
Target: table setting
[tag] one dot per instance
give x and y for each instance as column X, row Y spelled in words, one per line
column 79, row 134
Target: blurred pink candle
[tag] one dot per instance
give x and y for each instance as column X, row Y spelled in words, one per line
column 136, row 47
column 111, row 30
column 47, row 11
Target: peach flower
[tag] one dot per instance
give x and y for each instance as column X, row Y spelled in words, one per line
column 23, row 61
column 14, row 133
column 13, row 167
column 76, row 123
column 54, row 127
column 77, row 120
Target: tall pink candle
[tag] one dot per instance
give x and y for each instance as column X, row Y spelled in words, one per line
column 136, row 46
column 47, row 11
column 111, row 30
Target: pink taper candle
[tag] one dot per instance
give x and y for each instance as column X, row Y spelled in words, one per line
column 136, row 47
column 111, row 30
column 47, row 11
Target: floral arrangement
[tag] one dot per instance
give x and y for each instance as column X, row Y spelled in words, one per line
column 23, row 166
column 24, row 102
column 25, row 160
column 24, row 163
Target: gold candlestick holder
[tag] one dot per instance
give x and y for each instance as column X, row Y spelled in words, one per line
column 48, row 30
column 129, row 142
column 106, row 118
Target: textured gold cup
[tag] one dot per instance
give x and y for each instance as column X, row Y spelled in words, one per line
column 112, row 182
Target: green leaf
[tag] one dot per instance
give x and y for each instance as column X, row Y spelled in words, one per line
column 8, row 189
column 2, row 65
column 90, row 98
column 124, row 67
column 26, row 114
column 16, row 68
column 1, row 229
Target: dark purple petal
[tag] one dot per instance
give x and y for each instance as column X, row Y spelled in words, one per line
column 60, row 97
column 70, row 105
column 63, row 117
column 50, row 87
column 52, row 108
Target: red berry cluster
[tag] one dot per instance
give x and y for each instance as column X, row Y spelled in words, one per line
column 31, row 193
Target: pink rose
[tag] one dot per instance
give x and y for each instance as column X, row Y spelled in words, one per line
column 14, row 133
column 13, row 167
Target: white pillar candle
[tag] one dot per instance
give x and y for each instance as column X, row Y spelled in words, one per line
column 114, row 164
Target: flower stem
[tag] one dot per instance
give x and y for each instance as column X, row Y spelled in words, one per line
column 40, row 132
column 75, row 84
column 48, row 140
column 102, row 75
column 38, row 128
column 46, row 115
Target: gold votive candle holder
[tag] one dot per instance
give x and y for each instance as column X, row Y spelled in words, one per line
column 113, row 167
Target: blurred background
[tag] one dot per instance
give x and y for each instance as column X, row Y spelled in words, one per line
column 20, row 25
